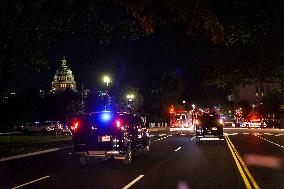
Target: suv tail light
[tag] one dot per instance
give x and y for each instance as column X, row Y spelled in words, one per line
column 118, row 123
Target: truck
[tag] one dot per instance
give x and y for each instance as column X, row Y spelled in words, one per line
column 181, row 122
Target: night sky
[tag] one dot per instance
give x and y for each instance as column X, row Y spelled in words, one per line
column 130, row 62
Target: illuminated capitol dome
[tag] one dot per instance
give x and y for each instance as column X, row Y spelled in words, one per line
column 63, row 79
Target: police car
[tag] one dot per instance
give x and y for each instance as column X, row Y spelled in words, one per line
column 107, row 135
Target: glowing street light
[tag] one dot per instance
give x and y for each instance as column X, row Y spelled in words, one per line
column 193, row 106
column 106, row 79
column 130, row 97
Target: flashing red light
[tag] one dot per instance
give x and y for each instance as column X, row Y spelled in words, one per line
column 118, row 124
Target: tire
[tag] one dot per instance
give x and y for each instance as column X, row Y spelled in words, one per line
column 84, row 160
column 146, row 149
column 128, row 157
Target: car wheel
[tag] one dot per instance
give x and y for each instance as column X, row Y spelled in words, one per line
column 146, row 149
column 84, row 160
column 128, row 157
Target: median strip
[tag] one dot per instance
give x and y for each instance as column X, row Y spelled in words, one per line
column 25, row 184
column 33, row 153
column 133, row 182
column 245, row 174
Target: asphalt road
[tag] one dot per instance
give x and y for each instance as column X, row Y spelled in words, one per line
column 245, row 159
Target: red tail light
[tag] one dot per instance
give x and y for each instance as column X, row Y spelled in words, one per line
column 118, row 124
column 76, row 125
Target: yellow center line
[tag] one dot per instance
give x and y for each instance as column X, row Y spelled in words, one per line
column 22, row 185
column 245, row 179
column 244, row 165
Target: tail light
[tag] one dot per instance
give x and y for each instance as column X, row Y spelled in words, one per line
column 118, row 124
column 76, row 125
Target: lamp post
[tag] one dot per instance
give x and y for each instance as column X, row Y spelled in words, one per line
column 130, row 98
column 106, row 80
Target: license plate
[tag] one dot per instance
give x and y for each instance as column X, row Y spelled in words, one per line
column 105, row 138
column 214, row 128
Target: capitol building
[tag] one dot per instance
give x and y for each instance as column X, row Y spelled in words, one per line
column 63, row 79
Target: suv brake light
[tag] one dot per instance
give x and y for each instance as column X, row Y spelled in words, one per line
column 118, row 124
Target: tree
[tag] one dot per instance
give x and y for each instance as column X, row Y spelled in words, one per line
column 122, row 103
column 160, row 91
column 253, row 48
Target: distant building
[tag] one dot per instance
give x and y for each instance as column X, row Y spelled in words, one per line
column 63, row 79
column 253, row 92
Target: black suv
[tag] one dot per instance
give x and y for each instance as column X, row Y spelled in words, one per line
column 209, row 126
column 109, row 135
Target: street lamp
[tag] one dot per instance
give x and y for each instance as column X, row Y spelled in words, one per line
column 183, row 101
column 106, row 80
column 193, row 106
column 130, row 97
column 253, row 107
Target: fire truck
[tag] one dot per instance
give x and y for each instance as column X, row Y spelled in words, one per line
column 181, row 122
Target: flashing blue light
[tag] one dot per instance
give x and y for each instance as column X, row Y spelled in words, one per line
column 105, row 116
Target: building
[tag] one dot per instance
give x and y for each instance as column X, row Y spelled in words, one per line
column 253, row 92
column 63, row 79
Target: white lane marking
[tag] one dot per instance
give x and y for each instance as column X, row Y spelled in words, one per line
column 177, row 149
column 245, row 133
column 162, row 134
column 33, row 153
column 234, row 128
column 133, row 182
column 279, row 135
column 267, row 134
column 209, row 139
column 271, row 142
column 192, row 138
column 22, row 185
column 231, row 134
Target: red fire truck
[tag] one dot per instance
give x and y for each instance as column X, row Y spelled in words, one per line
column 181, row 122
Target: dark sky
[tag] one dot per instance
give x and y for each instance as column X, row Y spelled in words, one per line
column 131, row 61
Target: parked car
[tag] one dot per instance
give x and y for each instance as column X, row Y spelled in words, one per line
column 109, row 135
column 44, row 127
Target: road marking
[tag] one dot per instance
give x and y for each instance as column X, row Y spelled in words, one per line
column 192, row 138
column 271, row 142
column 177, row 149
column 209, row 139
column 22, row 185
column 241, row 165
column 162, row 134
column 245, row 133
column 133, row 182
column 279, row 135
column 33, row 153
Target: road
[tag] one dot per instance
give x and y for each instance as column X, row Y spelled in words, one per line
column 244, row 159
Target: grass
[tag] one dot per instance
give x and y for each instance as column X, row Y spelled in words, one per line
column 15, row 145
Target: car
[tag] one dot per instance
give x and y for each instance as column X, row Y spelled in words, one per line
column 209, row 126
column 50, row 126
column 43, row 127
column 107, row 135
column 254, row 121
